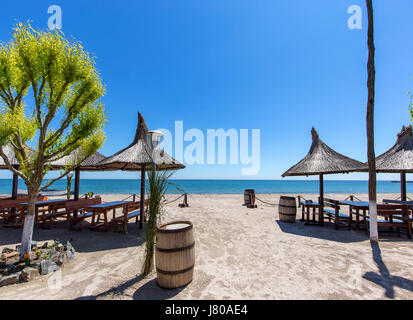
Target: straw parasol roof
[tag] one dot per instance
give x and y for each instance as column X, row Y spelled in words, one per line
column 9, row 152
column 398, row 158
column 321, row 159
column 89, row 164
column 138, row 154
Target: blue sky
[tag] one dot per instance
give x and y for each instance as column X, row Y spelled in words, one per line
column 278, row 66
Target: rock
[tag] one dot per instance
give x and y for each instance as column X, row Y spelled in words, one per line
column 28, row 274
column 48, row 266
column 73, row 250
column 35, row 265
column 68, row 246
column 53, row 253
column 11, row 279
column 45, row 245
column 34, row 245
column 18, row 247
column 61, row 259
column 7, row 250
column 10, row 268
column 69, row 256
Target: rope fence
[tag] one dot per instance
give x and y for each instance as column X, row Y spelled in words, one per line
column 168, row 202
column 268, row 203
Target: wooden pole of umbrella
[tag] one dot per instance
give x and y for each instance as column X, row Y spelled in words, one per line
column 142, row 203
column 321, row 189
column 15, row 186
column 77, row 181
column 403, row 185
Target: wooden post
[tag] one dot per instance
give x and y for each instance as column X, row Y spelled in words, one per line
column 403, row 185
column 77, row 178
column 321, row 189
column 371, row 157
column 134, row 198
column 142, row 204
column 15, row 186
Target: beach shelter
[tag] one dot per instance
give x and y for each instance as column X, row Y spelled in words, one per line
column 89, row 164
column 321, row 160
column 138, row 157
column 398, row 159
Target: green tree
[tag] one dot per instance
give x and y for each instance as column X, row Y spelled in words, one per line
column 50, row 106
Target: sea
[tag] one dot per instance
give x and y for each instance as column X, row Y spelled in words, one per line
column 129, row 186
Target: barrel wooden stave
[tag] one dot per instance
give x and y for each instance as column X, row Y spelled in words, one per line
column 175, row 256
column 287, row 209
column 249, row 197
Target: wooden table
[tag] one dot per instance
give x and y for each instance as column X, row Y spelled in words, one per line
column 312, row 205
column 357, row 206
column 103, row 208
column 41, row 204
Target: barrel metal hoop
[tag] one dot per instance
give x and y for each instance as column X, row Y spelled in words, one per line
column 284, row 206
column 287, row 198
column 174, row 272
column 176, row 249
column 189, row 227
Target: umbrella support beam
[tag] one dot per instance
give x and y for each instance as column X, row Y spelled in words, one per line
column 15, row 186
column 77, row 178
column 321, row 200
column 142, row 203
column 403, row 186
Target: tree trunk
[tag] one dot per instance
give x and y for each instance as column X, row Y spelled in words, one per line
column 370, row 126
column 28, row 224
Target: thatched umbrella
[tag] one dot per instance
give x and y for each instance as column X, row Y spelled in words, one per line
column 320, row 160
column 89, row 164
column 398, row 159
column 9, row 152
column 138, row 157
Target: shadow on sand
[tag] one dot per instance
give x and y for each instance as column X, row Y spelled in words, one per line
column 83, row 241
column 384, row 278
column 326, row 232
column 148, row 291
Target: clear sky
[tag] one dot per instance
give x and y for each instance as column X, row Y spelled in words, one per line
column 278, row 66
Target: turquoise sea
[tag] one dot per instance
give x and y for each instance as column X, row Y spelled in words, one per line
column 107, row 186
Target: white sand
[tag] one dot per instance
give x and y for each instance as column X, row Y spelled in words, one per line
column 241, row 253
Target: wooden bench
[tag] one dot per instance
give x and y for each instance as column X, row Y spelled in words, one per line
column 340, row 219
column 130, row 211
column 76, row 213
column 399, row 202
column 8, row 211
column 52, row 212
column 394, row 216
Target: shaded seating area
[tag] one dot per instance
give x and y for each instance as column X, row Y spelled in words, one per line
column 73, row 212
column 138, row 156
column 393, row 214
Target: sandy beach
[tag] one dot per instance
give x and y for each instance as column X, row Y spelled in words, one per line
column 241, row 253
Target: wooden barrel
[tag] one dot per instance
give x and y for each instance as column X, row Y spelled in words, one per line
column 287, row 209
column 249, row 197
column 175, row 254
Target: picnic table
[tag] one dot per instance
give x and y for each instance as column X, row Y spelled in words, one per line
column 306, row 206
column 102, row 209
column 357, row 206
column 40, row 204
